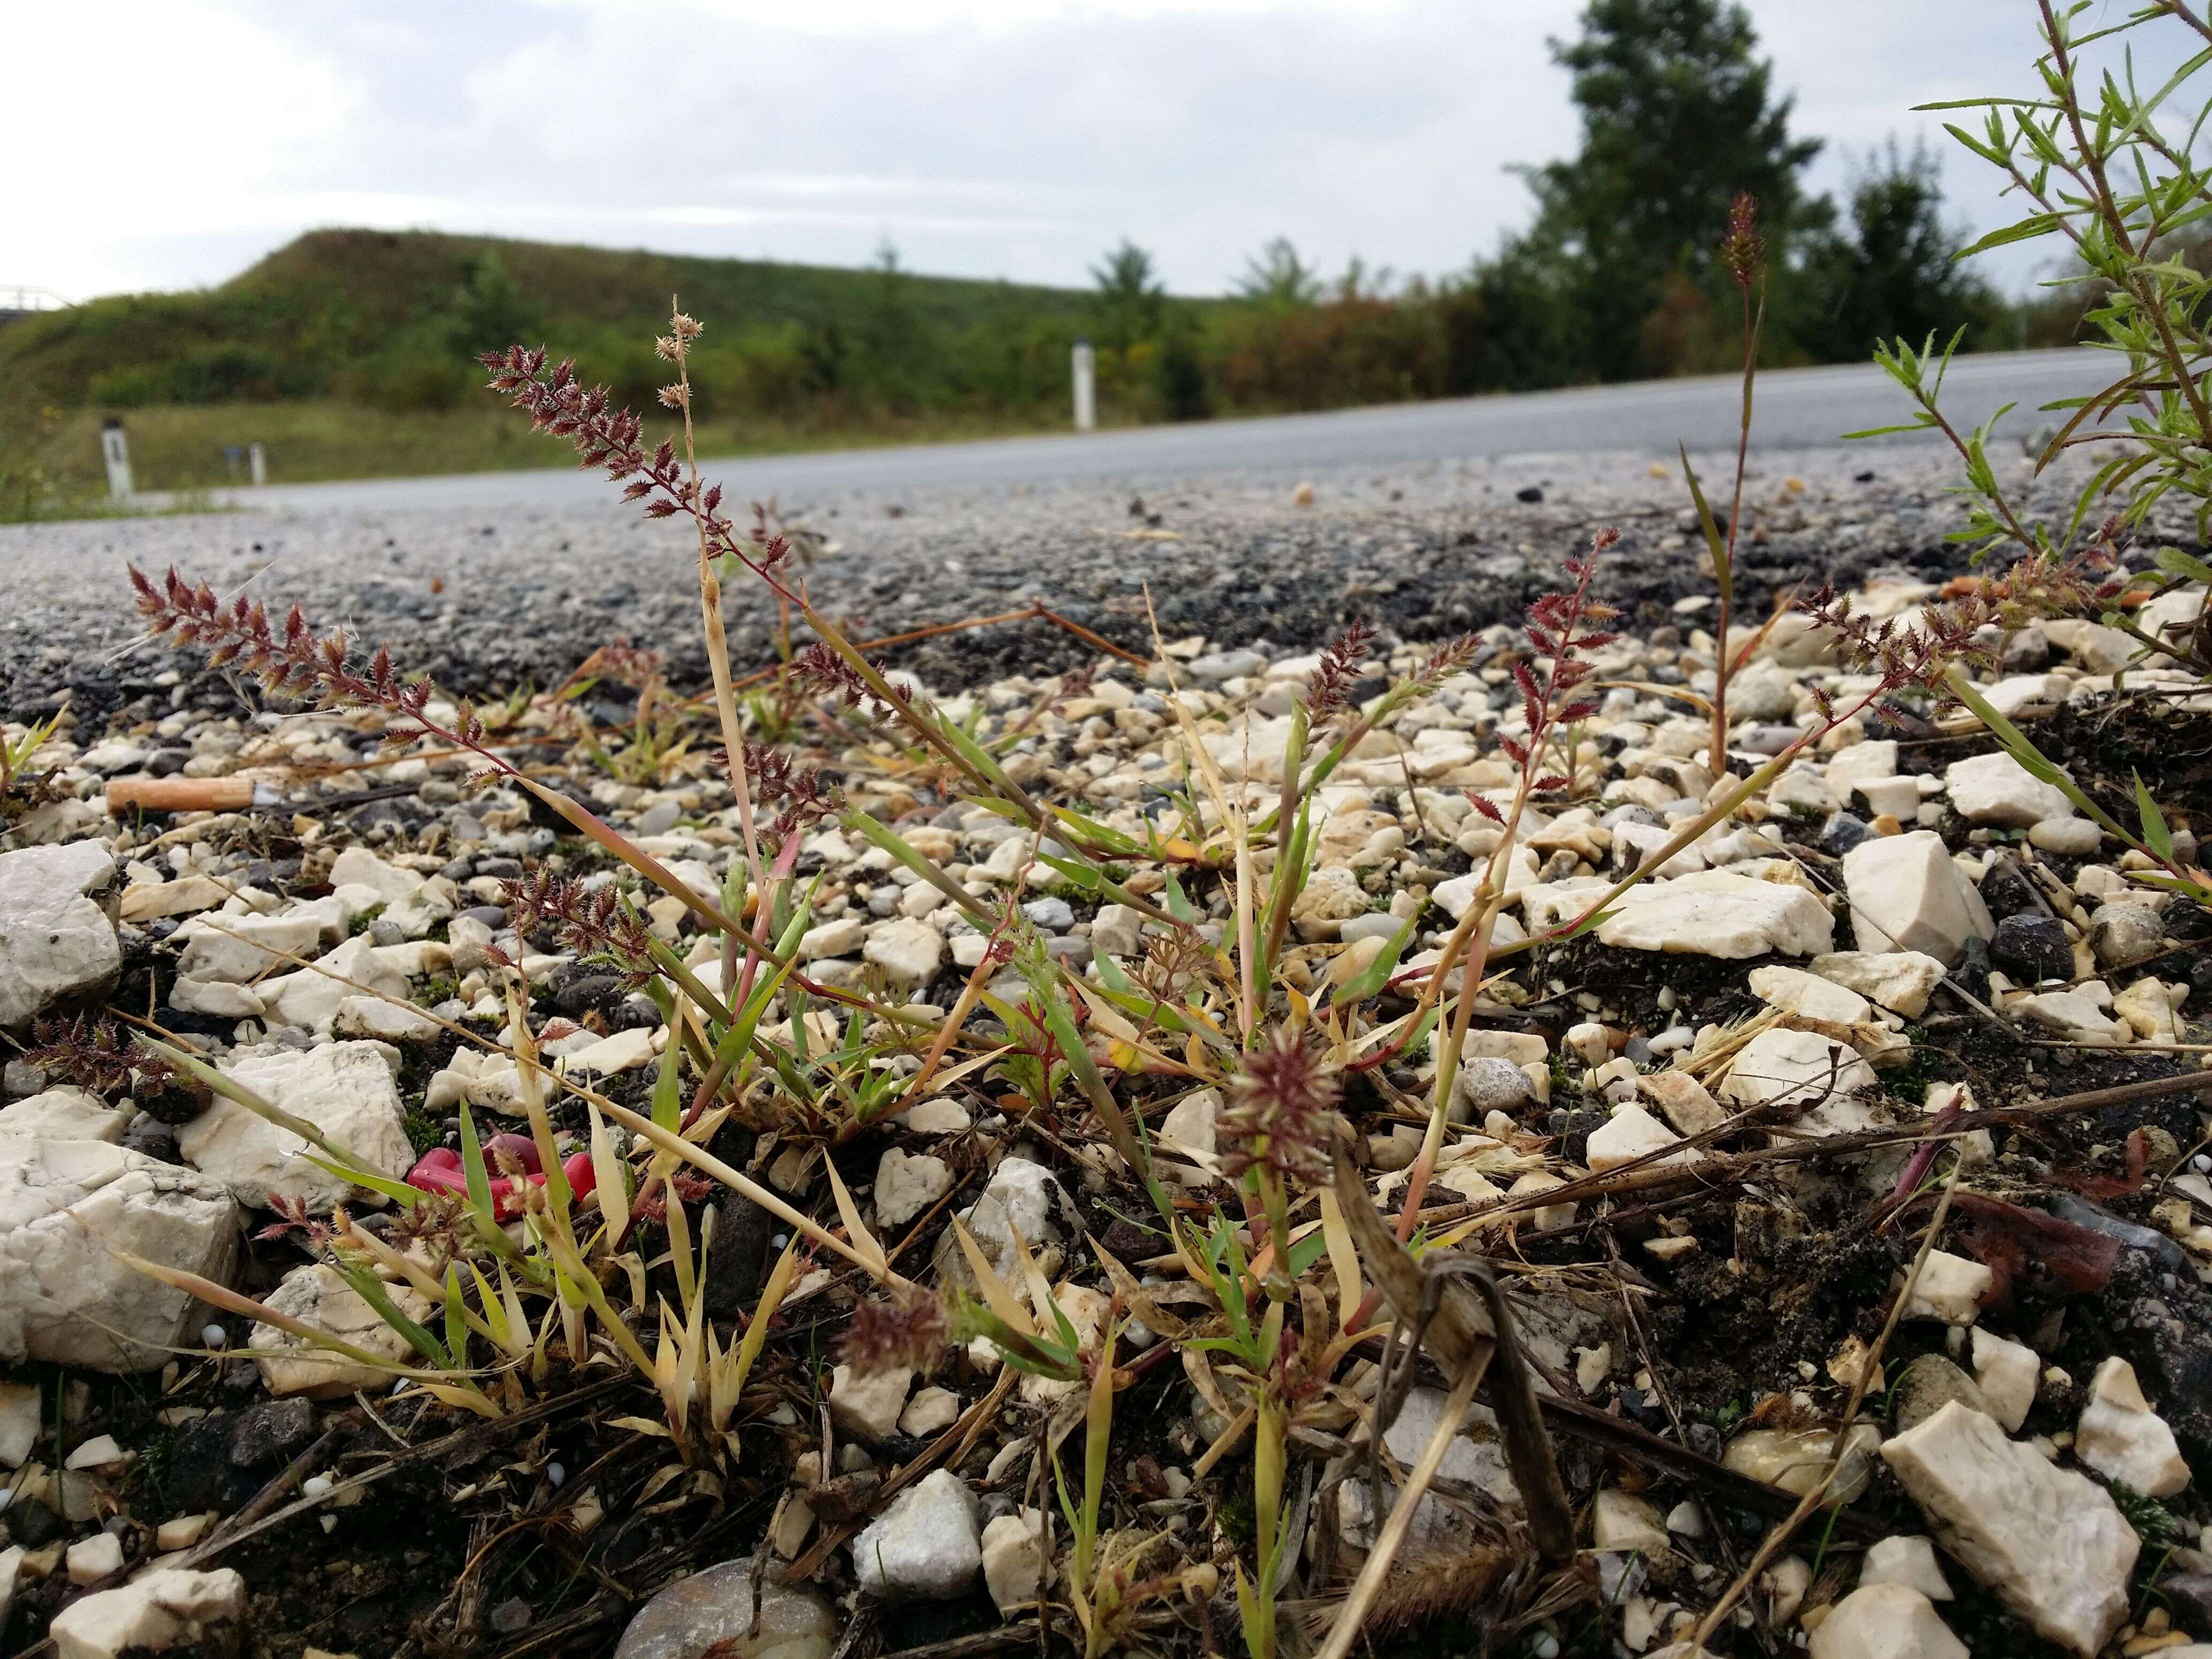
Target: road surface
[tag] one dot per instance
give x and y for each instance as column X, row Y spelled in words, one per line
column 1796, row 409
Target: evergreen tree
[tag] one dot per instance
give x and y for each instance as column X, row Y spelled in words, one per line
column 1130, row 302
column 1677, row 117
column 1277, row 276
column 1893, row 271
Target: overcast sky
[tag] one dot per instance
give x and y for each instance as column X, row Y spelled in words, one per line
column 168, row 144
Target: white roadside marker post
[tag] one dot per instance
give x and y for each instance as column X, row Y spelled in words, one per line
column 1086, row 387
column 115, row 450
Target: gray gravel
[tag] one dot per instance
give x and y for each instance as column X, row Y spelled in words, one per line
column 487, row 601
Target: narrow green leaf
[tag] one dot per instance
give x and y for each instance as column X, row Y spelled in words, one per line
column 668, row 1086
column 2156, row 835
column 1377, row 974
column 472, row 1166
column 1177, row 905
column 456, row 1323
column 1715, row 544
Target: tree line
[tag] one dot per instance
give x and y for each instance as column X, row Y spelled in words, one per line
column 1618, row 275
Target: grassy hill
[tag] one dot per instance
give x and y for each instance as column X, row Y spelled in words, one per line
column 348, row 353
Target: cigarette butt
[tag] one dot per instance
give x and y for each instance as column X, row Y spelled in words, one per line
column 180, row 795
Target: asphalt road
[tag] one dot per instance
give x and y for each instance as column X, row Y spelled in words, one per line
column 1796, row 409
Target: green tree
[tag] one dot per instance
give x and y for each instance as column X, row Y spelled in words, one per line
column 488, row 311
column 1179, row 379
column 1277, row 276
column 1130, row 302
column 1893, row 271
column 1677, row 117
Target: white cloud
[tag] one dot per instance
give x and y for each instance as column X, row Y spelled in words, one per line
column 988, row 137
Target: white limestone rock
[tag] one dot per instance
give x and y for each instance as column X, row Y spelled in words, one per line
column 2047, row 1542
column 932, row 1411
column 1857, row 761
column 1682, row 1100
column 1949, row 1288
column 345, row 1090
column 310, row 997
column 1117, row 931
column 1333, row 896
column 1906, row 895
column 941, row 1116
column 2072, row 1016
column 1900, row 981
column 1811, row 1003
column 2076, row 838
column 907, row 1184
column 1910, row 1561
column 19, row 1423
column 2125, row 933
column 1815, row 1077
column 91, row 1560
column 1018, row 1198
column 217, row 997
column 318, row 1296
column 1622, row 1520
column 2148, row 1010
column 1017, row 1562
column 908, row 951
column 1187, row 1133
column 1886, row 1620
column 1712, row 912
column 63, row 1298
column 1997, row 789
column 380, row 1021
column 2121, row 1437
column 2100, row 649
column 1630, row 1134
column 868, row 1406
column 737, row 1610
column 203, row 1614
column 65, row 1114
column 840, row 936
column 626, row 1050
column 1475, row 1457
column 2006, row 1372
column 235, row 949
column 54, row 941
column 925, row 1546
column 358, row 866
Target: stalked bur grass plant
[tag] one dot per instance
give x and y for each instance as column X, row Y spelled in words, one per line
column 574, row 1284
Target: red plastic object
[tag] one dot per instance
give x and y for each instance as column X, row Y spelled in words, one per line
column 439, row 1171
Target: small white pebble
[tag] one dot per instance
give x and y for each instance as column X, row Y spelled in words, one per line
column 330, row 1523
column 555, row 1474
column 214, row 1336
column 1545, row 1646
column 780, row 1240
column 2201, row 1163
column 316, row 1485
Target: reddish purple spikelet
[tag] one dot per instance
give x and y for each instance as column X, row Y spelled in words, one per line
column 1330, row 688
column 1740, row 250
column 98, row 1056
column 796, row 795
column 910, row 1328
column 1281, row 1109
column 594, row 922
column 290, row 661
column 823, row 672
